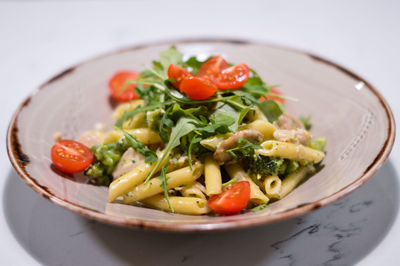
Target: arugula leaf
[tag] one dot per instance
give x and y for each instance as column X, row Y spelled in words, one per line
column 177, row 111
column 195, row 139
column 259, row 207
column 170, row 56
column 228, row 116
column 164, row 186
column 183, row 127
column 229, row 183
column 306, row 121
column 271, row 110
column 194, row 64
column 224, row 115
column 150, row 156
column 130, row 114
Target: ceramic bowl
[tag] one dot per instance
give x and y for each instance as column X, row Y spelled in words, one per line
column 350, row 112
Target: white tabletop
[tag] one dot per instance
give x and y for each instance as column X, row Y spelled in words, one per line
column 40, row 39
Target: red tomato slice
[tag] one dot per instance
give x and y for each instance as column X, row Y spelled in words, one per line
column 233, row 78
column 274, row 91
column 213, row 66
column 117, row 86
column 70, row 156
column 177, row 73
column 225, row 77
column 232, row 199
column 197, row 88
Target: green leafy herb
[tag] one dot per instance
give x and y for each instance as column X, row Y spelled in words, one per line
column 130, row 114
column 150, row 156
column 193, row 64
column 195, row 140
column 306, row 121
column 259, row 208
column 170, row 56
column 271, row 110
column 183, row 127
column 229, row 183
column 164, row 186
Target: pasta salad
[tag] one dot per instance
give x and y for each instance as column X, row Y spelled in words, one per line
column 195, row 137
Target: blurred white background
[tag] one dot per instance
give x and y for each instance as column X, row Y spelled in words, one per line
column 38, row 39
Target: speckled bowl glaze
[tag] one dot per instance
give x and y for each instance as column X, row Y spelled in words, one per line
column 354, row 117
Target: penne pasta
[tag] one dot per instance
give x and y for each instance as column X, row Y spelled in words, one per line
column 238, row 122
column 193, row 190
column 212, row 176
column 257, row 114
column 292, row 180
column 128, row 181
column 125, row 107
column 183, row 205
column 272, row 186
column 264, row 127
column 291, row 151
column 175, row 179
column 256, row 195
column 137, row 121
column 144, row 135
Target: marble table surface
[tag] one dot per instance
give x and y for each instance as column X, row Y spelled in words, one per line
column 41, row 38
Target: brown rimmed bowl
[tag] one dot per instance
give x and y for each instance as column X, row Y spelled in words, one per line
column 345, row 108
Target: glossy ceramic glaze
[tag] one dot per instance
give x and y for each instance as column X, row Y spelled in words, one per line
column 352, row 115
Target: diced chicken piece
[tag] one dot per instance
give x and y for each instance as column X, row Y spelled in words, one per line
column 288, row 121
column 129, row 161
column 221, row 156
column 298, row 135
column 176, row 163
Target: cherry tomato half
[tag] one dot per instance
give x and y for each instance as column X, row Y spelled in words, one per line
column 197, row 88
column 70, row 156
column 213, row 66
column 177, row 73
column 232, row 199
column 273, row 91
column 117, row 86
column 233, row 78
column 225, row 77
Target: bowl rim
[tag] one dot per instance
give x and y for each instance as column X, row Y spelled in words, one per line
column 18, row 158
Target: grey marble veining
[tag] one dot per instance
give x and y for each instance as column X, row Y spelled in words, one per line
column 339, row 234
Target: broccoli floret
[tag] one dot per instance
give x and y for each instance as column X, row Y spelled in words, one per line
column 107, row 156
column 264, row 165
column 318, row 143
column 97, row 174
column 292, row 166
column 245, row 154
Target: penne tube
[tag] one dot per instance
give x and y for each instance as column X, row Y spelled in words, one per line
column 184, row 205
column 257, row 115
column 144, row 135
column 292, row 180
column 137, row 121
column 291, row 151
column 193, row 190
column 183, row 176
column 212, row 176
column 273, row 186
column 125, row 107
column 264, row 127
column 128, row 181
column 237, row 172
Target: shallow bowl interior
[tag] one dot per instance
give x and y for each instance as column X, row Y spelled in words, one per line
column 347, row 110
